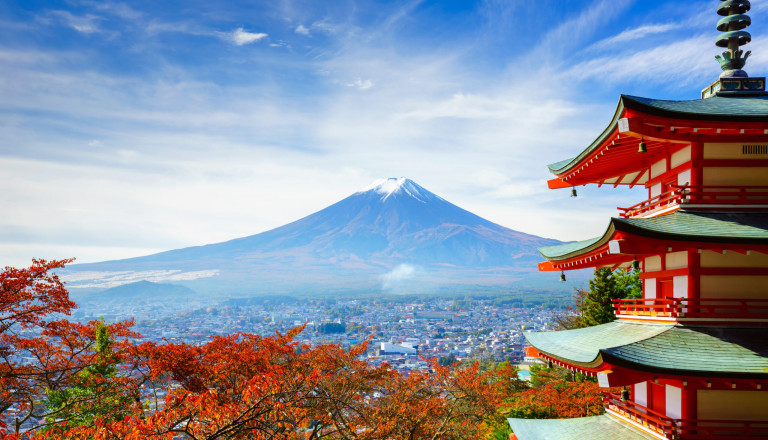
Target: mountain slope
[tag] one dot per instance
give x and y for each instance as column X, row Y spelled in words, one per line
column 390, row 223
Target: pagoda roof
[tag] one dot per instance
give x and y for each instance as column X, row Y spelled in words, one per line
column 681, row 225
column 666, row 126
column 733, row 352
column 604, row 427
column 716, row 108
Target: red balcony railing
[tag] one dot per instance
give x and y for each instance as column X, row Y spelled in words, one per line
column 663, row 200
column 717, row 308
column 706, row 195
column 685, row 429
column 641, row 415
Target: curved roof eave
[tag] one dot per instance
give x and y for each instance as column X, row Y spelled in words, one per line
column 726, row 109
column 700, row 227
column 569, row 250
column 584, row 347
column 565, row 165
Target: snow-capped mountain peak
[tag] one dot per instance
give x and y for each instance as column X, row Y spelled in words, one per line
column 399, row 185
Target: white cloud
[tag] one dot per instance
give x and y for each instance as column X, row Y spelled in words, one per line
column 637, row 33
column 84, row 24
column 361, row 84
column 241, row 37
column 572, row 32
column 301, row 29
column 683, row 60
column 400, row 274
column 121, row 10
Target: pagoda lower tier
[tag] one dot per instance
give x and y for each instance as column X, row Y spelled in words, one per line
column 682, row 381
column 696, row 267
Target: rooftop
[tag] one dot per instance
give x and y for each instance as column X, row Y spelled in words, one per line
column 736, row 352
column 605, row 427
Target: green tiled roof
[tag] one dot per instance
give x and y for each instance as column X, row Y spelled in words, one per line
column 718, row 351
column 562, row 250
column 704, row 226
column 582, row 346
column 711, row 227
column 605, row 427
column 718, row 108
column 675, row 349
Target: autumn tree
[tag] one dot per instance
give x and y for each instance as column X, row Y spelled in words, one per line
column 90, row 381
column 556, row 393
column 40, row 352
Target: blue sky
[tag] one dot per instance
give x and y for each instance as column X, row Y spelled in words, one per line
column 130, row 128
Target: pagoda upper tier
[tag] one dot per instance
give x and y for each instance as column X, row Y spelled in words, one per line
column 710, row 153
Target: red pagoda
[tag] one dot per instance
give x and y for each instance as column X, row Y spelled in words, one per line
column 692, row 354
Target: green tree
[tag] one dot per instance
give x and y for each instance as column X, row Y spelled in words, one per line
column 595, row 306
column 96, row 392
column 628, row 283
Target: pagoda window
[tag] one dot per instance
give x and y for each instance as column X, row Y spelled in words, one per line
column 640, row 393
column 649, row 288
column 673, row 401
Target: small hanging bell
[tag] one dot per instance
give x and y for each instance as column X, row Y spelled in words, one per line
column 642, row 147
column 573, row 192
column 562, row 276
column 635, row 265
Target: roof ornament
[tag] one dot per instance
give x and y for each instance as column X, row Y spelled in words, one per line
column 732, row 25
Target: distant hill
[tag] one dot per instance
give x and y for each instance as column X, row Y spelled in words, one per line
column 392, row 236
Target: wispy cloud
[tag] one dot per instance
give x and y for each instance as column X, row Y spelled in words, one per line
column 121, row 10
column 684, row 60
column 242, row 37
column 86, row 24
column 636, row 33
column 301, row 29
column 573, row 32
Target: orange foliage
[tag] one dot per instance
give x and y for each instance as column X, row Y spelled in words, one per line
column 239, row 386
column 556, row 395
column 38, row 354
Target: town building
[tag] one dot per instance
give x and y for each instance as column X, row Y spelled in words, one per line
column 690, row 358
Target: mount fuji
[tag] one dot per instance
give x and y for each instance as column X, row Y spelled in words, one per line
column 393, row 235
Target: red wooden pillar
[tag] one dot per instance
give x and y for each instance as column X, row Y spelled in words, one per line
column 697, row 173
column 689, row 407
column 694, row 278
column 657, row 400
